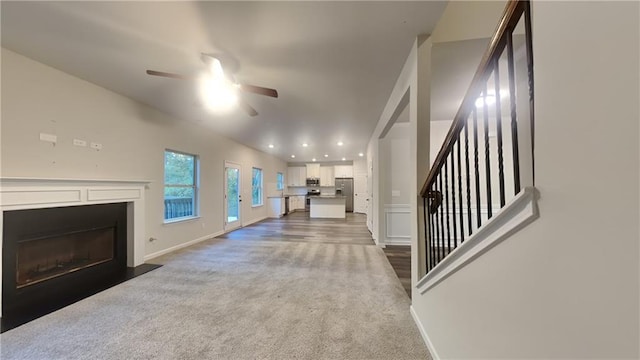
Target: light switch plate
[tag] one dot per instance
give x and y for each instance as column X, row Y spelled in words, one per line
column 78, row 142
column 48, row 137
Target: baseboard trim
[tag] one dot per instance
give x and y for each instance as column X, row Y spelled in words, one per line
column 254, row 221
column 398, row 241
column 423, row 333
column 181, row 246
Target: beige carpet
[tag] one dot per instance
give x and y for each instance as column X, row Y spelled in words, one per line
column 236, row 299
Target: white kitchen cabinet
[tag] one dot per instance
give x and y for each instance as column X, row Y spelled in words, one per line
column 301, row 202
column 297, row 176
column 296, row 202
column 276, row 207
column 302, row 175
column 326, row 176
column 343, row 171
column 292, row 175
column 313, row 171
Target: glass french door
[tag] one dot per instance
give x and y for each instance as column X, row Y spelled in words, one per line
column 232, row 196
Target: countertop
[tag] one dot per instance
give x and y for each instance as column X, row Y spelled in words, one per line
column 328, row 197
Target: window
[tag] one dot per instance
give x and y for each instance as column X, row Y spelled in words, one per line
column 256, row 187
column 280, row 181
column 180, row 185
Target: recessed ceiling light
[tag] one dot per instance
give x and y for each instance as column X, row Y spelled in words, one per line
column 361, row 154
column 305, row 145
column 314, row 159
column 270, row 146
column 344, row 159
column 326, row 155
column 293, row 156
column 340, row 143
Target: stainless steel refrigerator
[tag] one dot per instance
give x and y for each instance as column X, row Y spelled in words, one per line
column 344, row 187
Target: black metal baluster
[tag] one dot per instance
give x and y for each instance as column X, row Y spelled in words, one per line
column 453, row 199
column 432, row 232
column 514, row 119
column 496, row 73
column 487, row 156
column 476, row 163
column 427, row 237
column 446, row 195
column 466, row 156
column 527, row 25
column 441, row 216
column 460, row 190
column 436, row 227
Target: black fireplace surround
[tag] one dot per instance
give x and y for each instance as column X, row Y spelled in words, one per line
column 55, row 256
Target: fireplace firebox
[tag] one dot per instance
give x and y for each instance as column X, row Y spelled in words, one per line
column 55, row 256
column 42, row 259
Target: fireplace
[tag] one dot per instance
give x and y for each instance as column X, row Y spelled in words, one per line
column 55, row 256
column 75, row 218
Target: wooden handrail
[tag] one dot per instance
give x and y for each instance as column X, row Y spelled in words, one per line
column 510, row 18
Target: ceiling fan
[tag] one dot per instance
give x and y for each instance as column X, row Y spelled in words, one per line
column 221, row 87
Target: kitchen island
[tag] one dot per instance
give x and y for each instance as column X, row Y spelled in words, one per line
column 327, row 207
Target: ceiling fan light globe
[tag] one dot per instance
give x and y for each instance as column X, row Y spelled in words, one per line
column 217, row 93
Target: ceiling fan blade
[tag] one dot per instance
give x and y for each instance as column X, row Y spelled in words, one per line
column 259, row 90
column 246, row 107
column 168, row 75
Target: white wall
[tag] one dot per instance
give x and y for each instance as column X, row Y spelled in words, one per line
column 37, row 98
column 567, row 285
column 439, row 130
column 394, row 149
column 406, row 80
column 466, row 20
column 395, row 182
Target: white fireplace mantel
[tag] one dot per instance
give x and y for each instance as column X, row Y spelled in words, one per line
column 37, row 193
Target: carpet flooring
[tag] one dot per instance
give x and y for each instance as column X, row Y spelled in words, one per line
column 244, row 297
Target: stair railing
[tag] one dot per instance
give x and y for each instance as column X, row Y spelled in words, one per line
column 462, row 191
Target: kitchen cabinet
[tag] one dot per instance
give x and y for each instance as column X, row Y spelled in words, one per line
column 276, row 207
column 313, row 171
column 296, row 202
column 343, row 171
column 302, row 199
column 297, row 176
column 326, row 176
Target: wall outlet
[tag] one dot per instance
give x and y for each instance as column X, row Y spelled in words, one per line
column 78, row 142
column 96, row 146
column 48, row 138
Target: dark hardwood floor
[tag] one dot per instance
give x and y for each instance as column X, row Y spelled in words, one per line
column 299, row 227
column 400, row 259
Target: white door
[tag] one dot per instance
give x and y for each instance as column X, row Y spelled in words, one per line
column 360, row 193
column 232, row 196
column 370, row 196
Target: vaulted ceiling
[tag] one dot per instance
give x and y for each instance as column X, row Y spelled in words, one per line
column 334, row 64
